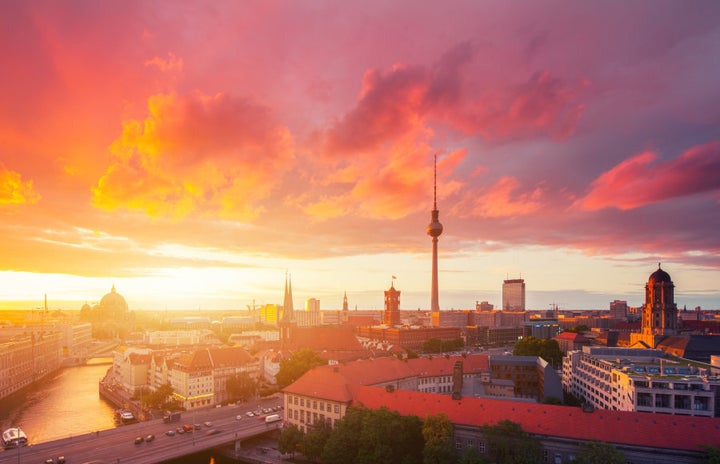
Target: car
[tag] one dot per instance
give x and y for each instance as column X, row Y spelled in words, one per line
column 208, row 424
column 187, row 428
column 180, row 430
column 60, row 460
column 249, row 414
column 139, row 440
column 149, row 438
column 238, row 417
column 212, row 432
column 50, row 461
column 170, row 433
column 197, row 426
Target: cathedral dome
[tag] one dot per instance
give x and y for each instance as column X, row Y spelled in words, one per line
column 113, row 303
column 659, row 276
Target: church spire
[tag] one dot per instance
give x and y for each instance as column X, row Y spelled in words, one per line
column 287, row 300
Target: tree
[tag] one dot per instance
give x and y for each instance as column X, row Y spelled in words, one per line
column 578, row 328
column 344, row 442
column 596, row 452
column 290, row 439
column 158, row 398
column 388, row 438
column 471, row 455
column 432, row 345
column 296, row 365
column 452, row 345
column 315, row 440
column 548, row 349
column 438, row 432
column 241, row 386
column 508, row 443
column 712, row 454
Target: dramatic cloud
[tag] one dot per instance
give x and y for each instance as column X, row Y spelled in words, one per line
column 500, row 200
column 304, row 131
column 214, row 155
column 637, row 181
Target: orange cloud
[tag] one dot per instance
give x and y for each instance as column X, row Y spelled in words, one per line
column 500, row 200
column 637, row 181
column 197, row 154
column 15, row 191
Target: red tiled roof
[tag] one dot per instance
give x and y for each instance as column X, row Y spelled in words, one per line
column 618, row 427
column 333, row 382
column 440, row 365
column 321, row 339
column 573, row 337
column 321, row 382
column 229, row 357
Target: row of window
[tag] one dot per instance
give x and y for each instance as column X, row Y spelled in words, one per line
column 314, row 404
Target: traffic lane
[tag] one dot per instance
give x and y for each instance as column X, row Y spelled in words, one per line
column 119, row 443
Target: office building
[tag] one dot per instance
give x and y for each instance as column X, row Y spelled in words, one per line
column 513, row 295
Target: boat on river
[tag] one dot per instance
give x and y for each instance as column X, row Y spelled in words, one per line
column 14, row 438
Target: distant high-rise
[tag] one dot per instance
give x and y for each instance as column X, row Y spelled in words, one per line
column 434, row 229
column 513, row 295
column 618, row 309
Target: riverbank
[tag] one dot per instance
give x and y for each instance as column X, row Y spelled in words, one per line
column 65, row 404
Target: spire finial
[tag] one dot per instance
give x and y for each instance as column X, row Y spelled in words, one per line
column 435, row 181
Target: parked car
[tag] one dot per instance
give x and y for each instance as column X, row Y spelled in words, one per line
column 170, row 433
column 139, row 440
column 150, row 438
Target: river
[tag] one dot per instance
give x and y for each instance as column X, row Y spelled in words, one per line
column 68, row 404
column 63, row 405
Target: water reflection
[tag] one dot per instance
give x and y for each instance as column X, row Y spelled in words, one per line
column 64, row 405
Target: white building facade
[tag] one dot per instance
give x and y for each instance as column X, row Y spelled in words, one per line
column 636, row 379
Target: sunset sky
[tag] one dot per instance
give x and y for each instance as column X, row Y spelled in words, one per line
column 191, row 153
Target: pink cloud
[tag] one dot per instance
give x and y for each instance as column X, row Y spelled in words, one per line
column 637, row 181
column 545, row 105
column 389, row 106
column 499, row 201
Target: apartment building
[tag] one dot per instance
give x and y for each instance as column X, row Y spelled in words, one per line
column 637, row 379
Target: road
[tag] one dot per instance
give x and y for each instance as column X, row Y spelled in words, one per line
column 117, row 445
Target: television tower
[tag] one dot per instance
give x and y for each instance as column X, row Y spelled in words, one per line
column 434, row 229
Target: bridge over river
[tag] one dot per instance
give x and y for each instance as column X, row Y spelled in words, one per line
column 118, row 445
